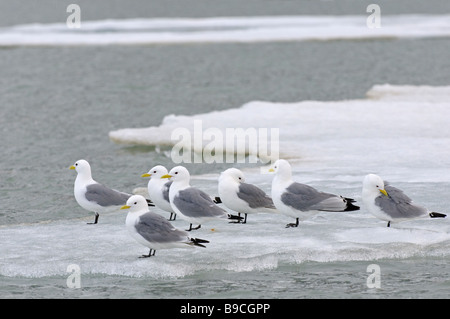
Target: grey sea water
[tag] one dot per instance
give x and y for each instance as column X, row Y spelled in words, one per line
column 58, row 104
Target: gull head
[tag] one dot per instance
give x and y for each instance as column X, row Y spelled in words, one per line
column 281, row 168
column 156, row 172
column 178, row 173
column 374, row 185
column 233, row 173
column 82, row 167
column 136, row 203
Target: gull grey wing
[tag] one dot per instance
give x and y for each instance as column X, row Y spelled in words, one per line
column 105, row 196
column 396, row 194
column 254, row 196
column 194, row 202
column 304, row 198
column 155, row 228
column 398, row 205
column 165, row 190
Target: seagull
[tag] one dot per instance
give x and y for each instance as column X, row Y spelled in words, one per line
column 93, row 196
column 302, row 201
column 389, row 203
column 243, row 197
column 158, row 189
column 153, row 230
column 190, row 203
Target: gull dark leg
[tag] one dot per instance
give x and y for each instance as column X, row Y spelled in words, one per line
column 149, row 254
column 389, row 224
column 95, row 220
column 245, row 219
column 193, row 228
column 293, row 224
column 236, row 219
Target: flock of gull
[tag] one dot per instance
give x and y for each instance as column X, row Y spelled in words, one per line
column 171, row 192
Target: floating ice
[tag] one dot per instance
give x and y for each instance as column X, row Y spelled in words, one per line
column 225, row 29
column 395, row 129
column 41, row 250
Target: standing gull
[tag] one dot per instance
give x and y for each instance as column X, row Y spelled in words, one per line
column 302, row 201
column 153, row 230
column 243, row 197
column 158, row 189
column 94, row 196
column 190, row 203
column 389, row 203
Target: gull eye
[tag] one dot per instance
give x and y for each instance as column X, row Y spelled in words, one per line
column 154, row 171
column 135, row 203
column 176, row 173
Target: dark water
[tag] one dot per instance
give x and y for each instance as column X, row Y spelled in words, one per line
column 410, row 278
column 51, row 11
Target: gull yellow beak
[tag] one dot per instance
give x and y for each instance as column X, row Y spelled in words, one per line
column 146, row 175
column 72, row 167
column 382, row 191
column 271, row 170
column 166, row 176
column 125, row 207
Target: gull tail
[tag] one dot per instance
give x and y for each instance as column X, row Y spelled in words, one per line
column 217, row 200
column 150, row 203
column 350, row 207
column 198, row 242
column 437, row 215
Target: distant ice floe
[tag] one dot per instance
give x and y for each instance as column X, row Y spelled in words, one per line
column 224, row 29
column 393, row 126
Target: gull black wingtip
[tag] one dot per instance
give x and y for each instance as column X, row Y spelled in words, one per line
column 350, row 206
column 437, row 215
